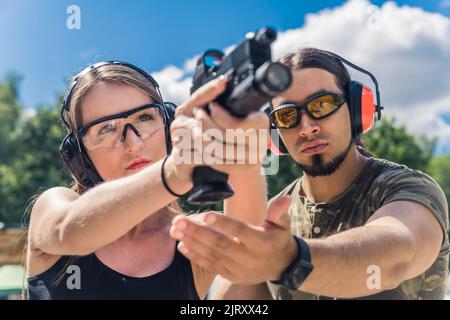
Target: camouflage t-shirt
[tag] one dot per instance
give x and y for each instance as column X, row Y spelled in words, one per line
column 379, row 183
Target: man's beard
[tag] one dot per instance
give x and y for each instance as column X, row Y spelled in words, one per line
column 319, row 168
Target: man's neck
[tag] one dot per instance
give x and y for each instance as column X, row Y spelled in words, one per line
column 328, row 188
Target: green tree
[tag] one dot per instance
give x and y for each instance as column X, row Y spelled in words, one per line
column 439, row 169
column 395, row 144
column 40, row 166
column 30, row 161
column 10, row 114
column 9, row 189
column 288, row 172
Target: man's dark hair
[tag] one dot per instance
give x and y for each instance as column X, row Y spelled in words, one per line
column 316, row 58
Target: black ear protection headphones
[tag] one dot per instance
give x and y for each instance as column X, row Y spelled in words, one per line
column 360, row 103
column 72, row 150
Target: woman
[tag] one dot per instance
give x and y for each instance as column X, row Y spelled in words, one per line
column 108, row 237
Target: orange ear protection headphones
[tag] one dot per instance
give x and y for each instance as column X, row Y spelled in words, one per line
column 361, row 106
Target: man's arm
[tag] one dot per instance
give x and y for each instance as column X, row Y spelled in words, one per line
column 402, row 239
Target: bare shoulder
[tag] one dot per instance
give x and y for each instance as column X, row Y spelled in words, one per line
column 52, row 198
column 49, row 204
column 48, row 207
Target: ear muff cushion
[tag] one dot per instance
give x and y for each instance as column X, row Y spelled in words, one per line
column 361, row 106
column 354, row 91
column 72, row 159
column 170, row 109
column 90, row 171
column 367, row 109
column 78, row 164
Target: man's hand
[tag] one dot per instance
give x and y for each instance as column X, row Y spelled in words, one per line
column 240, row 252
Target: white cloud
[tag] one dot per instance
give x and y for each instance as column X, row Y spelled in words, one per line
column 174, row 84
column 407, row 48
column 404, row 47
column 427, row 119
column 190, row 64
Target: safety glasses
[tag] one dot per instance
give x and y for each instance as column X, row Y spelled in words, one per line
column 111, row 131
column 317, row 106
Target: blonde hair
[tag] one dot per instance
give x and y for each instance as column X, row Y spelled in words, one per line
column 107, row 73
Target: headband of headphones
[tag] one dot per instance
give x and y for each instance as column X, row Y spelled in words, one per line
column 378, row 106
column 94, row 67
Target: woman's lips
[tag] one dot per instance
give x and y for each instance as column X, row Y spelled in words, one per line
column 136, row 165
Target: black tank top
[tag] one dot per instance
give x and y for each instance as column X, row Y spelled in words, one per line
column 88, row 278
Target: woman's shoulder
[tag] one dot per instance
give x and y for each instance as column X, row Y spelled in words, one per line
column 58, row 193
column 49, row 206
column 53, row 197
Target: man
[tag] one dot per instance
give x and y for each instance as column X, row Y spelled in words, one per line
column 364, row 227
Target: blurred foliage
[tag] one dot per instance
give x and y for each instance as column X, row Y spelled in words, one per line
column 29, row 157
column 395, row 144
column 439, row 169
column 288, row 172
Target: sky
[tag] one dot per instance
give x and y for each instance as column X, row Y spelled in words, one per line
column 406, row 44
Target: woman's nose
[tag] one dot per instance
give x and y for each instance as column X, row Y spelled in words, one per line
column 131, row 138
column 125, row 131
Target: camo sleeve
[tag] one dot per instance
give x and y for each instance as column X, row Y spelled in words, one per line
column 416, row 186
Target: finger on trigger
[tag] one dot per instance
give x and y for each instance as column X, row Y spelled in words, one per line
column 203, row 95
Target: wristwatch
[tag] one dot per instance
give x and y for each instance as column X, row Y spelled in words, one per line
column 299, row 269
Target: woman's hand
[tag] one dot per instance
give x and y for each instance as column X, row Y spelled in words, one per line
column 218, row 139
